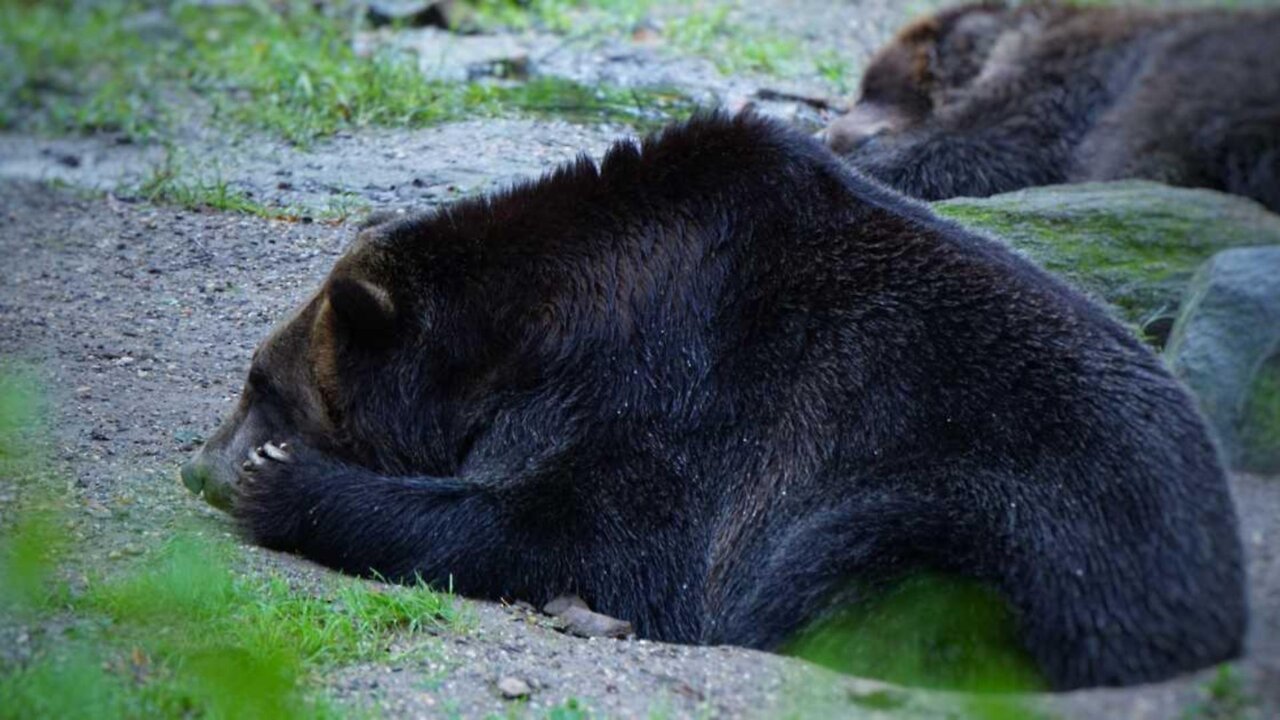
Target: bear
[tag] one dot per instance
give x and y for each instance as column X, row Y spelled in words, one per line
column 717, row 384
column 986, row 98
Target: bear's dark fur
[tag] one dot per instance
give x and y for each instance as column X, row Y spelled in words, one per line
column 713, row 381
column 983, row 99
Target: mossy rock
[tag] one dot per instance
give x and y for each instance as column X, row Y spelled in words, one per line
column 1134, row 244
column 1226, row 348
column 1260, row 421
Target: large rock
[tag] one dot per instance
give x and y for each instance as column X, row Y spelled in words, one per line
column 1134, row 244
column 1226, row 347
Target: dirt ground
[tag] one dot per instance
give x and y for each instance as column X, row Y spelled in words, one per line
column 143, row 319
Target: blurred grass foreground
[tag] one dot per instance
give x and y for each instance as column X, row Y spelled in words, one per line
column 180, row 634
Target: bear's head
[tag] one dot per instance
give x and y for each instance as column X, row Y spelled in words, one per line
column 304, row 383
column 908, row 79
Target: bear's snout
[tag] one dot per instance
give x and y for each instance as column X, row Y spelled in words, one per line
column 215, row 479
column 864, row 124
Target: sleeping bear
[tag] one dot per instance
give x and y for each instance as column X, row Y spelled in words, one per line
column 715, row 381
column 987, row 98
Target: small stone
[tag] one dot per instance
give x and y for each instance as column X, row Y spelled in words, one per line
column 585, row 623
column 440, row 13
column 513, row 688
column 562, row 603
column 516, row 67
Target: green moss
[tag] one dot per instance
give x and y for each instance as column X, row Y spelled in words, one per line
column 1133, row 244
column 1260, row 421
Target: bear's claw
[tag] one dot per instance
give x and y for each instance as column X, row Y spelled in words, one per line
column 267, row 452
column 279, row 453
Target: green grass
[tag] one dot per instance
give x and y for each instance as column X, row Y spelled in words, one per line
column 281, row 68
column 930, row 631
column 706, row 30
column 571, row 709
column 838, row 71
column 191, row 585
column 78, row 68
column 1224, row 698
column 284, row 68
column 172, row 183
column 733, row 47
column 182, row 632
column 567, row 17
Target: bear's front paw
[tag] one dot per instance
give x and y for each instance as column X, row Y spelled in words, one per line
column 265, row 453
column 265, row 464
column 267, row 501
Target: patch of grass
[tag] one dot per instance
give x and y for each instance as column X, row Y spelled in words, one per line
column 30, row 542
column 190, row 586
column 930, row 631
column 298, row 76
column 173, row 182
column 78, row 67
column 558, row 16
column 645, row 109
column 168, row 184
column 571, row 709
column 286, row 68
column 836, row 70
column 181, row 633
column 705, row 30
column 733, row 47
column 1225, row 698
column 71, row 684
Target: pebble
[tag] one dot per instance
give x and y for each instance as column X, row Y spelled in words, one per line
column 562, row 603
column 585, row 623
column 513, row 688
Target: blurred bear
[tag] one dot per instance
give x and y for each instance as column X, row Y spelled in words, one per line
column 987, row 98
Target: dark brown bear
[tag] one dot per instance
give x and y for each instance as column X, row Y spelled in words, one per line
column 716, row 384
column 983, row 99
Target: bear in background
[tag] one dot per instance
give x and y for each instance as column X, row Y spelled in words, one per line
column 986, row 98
column 720, row 386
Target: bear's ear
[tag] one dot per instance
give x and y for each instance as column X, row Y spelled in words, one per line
column 362, row 311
